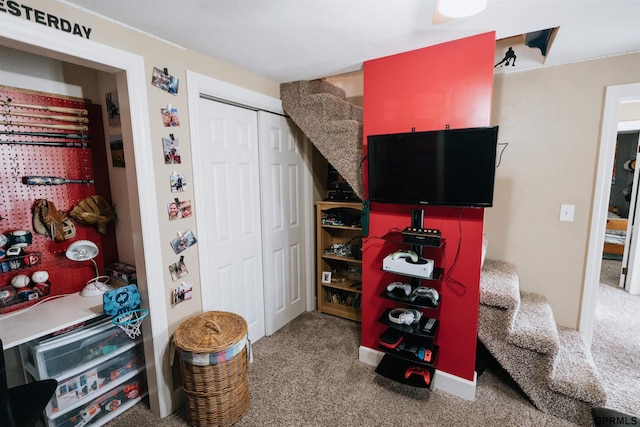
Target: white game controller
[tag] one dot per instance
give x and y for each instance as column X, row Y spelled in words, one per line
column 405, row 254
column 425, row 292
column 406, row 287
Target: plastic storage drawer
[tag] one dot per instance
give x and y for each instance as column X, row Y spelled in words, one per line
column 104, row 407
column 73, row 388
column 56, row 355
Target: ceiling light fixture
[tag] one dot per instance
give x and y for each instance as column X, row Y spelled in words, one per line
column 453, row 9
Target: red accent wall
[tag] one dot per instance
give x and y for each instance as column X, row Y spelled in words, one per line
column 427, row 89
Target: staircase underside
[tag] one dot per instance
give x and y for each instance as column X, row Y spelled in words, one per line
column 551, row 365
column 332, row 124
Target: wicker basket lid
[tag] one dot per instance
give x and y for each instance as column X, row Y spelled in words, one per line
column 212, row 331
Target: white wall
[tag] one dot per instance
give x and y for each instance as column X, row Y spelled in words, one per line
column 38, row 73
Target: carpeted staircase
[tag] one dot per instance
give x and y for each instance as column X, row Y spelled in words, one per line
column 551, row 364
column 332, row 124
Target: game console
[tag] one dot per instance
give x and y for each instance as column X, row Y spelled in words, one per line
column 422, row 236
column 421, row 353
column 408, row 265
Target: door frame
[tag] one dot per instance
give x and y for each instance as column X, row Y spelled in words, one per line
column 200, row 85
column 130, row 74
column 615, row 95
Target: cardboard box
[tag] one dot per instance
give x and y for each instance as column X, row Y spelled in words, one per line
column 121, row 274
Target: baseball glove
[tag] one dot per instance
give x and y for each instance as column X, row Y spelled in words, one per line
column 49, row 221
column 94, row 211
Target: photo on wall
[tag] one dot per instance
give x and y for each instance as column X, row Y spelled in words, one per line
column 179, row 209
column 185, row 208
column 178, row 182
column 183, row 241
column 113, row 108
column 171, row 148
column 170, row 116
column 117, row 151
column 182, row 293
column 164, row 81
column 178, row 270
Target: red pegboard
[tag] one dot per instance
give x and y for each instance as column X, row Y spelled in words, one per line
column 20, row 127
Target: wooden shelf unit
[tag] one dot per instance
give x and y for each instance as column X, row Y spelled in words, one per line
column 339, row 284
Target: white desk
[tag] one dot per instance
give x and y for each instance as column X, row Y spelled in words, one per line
column 36, row 321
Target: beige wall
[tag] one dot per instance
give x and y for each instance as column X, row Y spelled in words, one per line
column 551, row 119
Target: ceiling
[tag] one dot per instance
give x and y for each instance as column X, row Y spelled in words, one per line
column 289, row 40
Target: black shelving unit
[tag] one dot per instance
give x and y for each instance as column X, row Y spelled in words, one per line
column 395, row 368
column 399, row 364
column 397, row 296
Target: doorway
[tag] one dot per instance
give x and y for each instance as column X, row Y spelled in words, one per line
column 615, row 96
column 621, row 207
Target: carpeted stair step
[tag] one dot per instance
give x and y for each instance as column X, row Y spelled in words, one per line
column 534, row 327
column 551, row 365
column 499, row 284
column 529, row 369
column 574, row 371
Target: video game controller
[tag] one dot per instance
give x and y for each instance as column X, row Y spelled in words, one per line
column 424, row 354
column 421, row 353
column 425, row 292
column 405, row 254
column 406, row 287
column 416, row 370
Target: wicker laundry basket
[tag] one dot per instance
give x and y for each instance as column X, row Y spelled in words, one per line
column 213, row 361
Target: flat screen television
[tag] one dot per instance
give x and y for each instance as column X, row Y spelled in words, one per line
column 454, row 167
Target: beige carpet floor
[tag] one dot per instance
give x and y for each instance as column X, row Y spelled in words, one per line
column 308, row 374
column 616, row 341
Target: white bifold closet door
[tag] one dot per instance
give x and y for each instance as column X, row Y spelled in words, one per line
column 253, row 261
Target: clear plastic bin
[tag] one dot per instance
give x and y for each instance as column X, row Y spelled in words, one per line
column 90, row 381
column 59, row 354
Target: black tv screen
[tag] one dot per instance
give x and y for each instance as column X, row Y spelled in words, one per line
column 454, row 167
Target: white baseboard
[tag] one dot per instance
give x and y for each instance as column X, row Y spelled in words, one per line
column 441, row 380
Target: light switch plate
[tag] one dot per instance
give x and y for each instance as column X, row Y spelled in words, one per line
column 566, row 212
